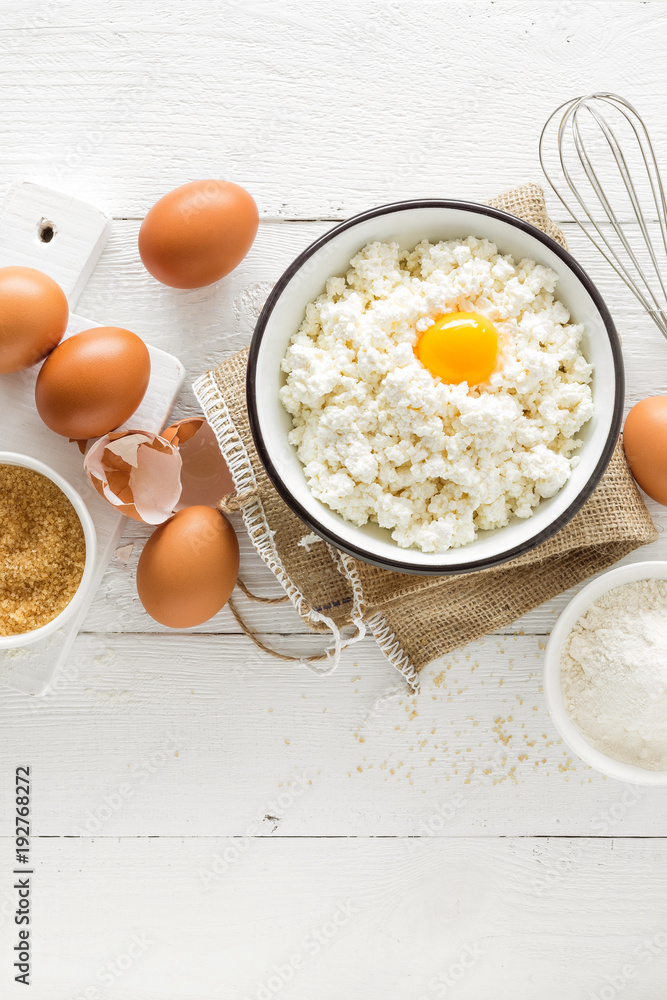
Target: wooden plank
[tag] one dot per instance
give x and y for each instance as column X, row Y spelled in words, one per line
column 150, row 98
column 143, row 919
column 208, row 734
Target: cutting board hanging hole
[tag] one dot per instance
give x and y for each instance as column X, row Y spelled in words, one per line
column 54, row 233
column 46, row 230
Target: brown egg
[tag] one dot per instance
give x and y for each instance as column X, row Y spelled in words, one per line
column 93, row 382
column 33, row 317
column 645, row 443
column 188, row 568
column 198, row 233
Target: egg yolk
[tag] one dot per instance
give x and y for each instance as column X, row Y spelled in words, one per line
column 459, row 347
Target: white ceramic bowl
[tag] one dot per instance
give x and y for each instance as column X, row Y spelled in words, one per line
column 552, row 675
column 25, row 638
column 407, row 223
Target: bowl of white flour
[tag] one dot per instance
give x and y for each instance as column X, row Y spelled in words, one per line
column 388, row 458
column 605, row 674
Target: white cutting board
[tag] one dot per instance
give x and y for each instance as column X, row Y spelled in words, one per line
column 80, row 232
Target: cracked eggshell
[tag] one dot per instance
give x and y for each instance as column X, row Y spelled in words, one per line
column 205, row 477
column 138, row 473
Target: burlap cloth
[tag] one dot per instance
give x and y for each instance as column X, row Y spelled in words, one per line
column 416, row 619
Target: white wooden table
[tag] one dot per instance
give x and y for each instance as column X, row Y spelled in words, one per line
column 210, row 823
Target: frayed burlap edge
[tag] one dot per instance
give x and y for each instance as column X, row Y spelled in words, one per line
column 250, row 506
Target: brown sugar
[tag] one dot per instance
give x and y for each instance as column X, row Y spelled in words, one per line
column 42, row 550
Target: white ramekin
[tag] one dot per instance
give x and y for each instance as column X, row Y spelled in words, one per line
column 552, row 674
column 25, row 638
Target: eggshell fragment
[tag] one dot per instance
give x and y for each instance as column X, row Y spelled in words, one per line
column 139, row 473
column 205, row 477
column 645, row 444
column 188, row 568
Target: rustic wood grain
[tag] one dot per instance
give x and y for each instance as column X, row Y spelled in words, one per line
column 228, row 729
column 556, row 874
column 548, row 918
column 319, row 109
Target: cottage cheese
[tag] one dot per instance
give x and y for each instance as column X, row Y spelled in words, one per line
column 382, row 439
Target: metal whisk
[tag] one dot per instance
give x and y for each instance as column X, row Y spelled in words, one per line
column 599, row 159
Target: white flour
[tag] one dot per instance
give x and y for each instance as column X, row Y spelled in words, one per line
column 614, row 674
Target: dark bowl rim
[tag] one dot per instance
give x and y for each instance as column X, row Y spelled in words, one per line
column 477, row 564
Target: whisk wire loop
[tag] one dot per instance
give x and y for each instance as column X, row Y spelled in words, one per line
column 597, row 133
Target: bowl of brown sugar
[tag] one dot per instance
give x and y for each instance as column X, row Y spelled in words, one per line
column 47, row 550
